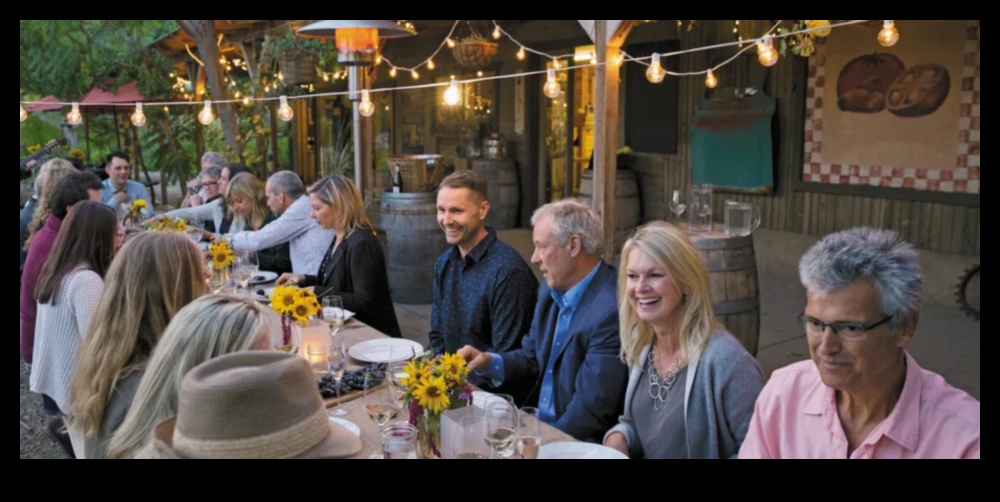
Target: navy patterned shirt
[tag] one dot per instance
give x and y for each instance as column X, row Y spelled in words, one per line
column 486, row 300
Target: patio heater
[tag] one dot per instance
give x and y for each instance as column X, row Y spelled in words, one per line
column 357, row 45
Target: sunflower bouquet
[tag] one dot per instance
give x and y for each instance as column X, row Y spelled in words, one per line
column 293, row 305
column 221, row 255
column 168, row 224
column 433, row 386
column 133, row 213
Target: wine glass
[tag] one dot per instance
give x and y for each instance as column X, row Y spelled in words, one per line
column 677, row 205
column 195, row 230
column 333, row 313
column 381, row 407
column 220, row 279
column 469, row 444
column 338, row 365
column 395, row 375
column 500, row 428
column 529, row 433
column 245, row 267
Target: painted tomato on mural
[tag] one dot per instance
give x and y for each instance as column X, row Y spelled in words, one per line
column 865, row 80
column 919, row 91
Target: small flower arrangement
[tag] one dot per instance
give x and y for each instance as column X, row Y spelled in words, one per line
column 135, row 208
column 168, row 224
column 221, row 255
column 294, row 304
column 433, row 386
column 804, row 44
column 76, row 153
column 34, row 148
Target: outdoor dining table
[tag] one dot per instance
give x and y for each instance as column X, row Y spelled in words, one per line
column 355, row 332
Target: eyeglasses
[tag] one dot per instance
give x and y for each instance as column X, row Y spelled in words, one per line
column 846, row 330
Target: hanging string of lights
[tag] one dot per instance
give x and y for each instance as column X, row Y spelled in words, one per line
column 767, row 55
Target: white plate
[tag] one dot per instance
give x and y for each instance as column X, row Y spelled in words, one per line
column 263, row 278
column 578, row 451
column 350, row 426
column 348, row 315
column 266, row 298
column 377, row 351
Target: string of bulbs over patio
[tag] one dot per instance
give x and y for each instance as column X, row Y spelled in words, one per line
column 656, row 73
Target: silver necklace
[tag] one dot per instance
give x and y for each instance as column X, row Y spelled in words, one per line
column 660, row 386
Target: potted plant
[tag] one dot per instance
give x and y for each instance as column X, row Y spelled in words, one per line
column 475, row 51
column 297, row 57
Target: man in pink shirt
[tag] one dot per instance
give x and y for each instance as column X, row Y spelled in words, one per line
column 862, row 396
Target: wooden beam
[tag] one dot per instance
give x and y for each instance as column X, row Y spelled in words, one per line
column 607, row 92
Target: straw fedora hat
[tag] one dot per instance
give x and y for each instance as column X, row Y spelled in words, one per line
column 252, row 405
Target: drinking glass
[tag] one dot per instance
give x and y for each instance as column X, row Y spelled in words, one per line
column 245, row 266
column 399, row 441
column 677, row 205
column 338, row 364
column 319, row 359
column 469, row 443
column 699, row 205
column 742, row 218
column 529, row 433
column 500, row 428
column 395, row 374
column 333, row 313
column 220, row 279
column 381, row 407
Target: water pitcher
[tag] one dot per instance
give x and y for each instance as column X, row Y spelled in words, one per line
column 742, row 218
column 700, row 208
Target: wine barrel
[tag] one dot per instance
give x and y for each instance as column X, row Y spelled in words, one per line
column 628, row 205
column 504, row 192
column 732, row 274
column 415, row 243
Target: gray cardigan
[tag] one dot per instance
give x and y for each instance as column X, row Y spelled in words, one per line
column 723, row 383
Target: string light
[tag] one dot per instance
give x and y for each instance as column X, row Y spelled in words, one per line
column 711, row 81
column 24, row 114
column 655, row 73
column 326, row 77
column 366, row 108
column 378, row 60
column 430, row 64
column 497, row 33
column 415, row 75
column 392, row 72
column 479, row 73
column 453, row 95
column 522, row 54
column 552, row 88
column 206, row 117
column 766, row 53
column 285, row 112
column 74, row 117
column 450, row 42
column 246, row 101
column 138, row 118
column 889, row 34
column 619, row 60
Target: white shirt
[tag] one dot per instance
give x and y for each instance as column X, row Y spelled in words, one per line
column 212, row 211
column 308, row 241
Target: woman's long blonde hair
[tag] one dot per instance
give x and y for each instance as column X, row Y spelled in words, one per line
column 54, row 171
column 246, row 186
column 155, row 275
column 340, row 193
column 210, row 327
column 671, row 249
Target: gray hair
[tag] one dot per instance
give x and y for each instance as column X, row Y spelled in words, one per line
column 212, row 172
column 213, row 159
column 288, row 183
column 879, row 256
column 571, row 217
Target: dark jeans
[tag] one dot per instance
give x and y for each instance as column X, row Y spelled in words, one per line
column 50, row 408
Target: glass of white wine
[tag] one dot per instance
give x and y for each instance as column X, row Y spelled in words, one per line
column 220, row 279
column 333, row 313
column 245, row 266
column 500, row 428
column 379, row 404
column 469, row 443
column 529, row 433
column 338, row 365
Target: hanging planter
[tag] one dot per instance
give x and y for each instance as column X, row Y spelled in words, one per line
column 475, row 52
column 298, row 66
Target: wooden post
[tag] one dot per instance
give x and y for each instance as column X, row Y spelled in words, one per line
column 606, row 127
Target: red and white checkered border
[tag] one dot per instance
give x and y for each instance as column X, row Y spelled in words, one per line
column 963, row 179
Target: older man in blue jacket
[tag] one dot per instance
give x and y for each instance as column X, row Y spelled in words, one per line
column 570, row 362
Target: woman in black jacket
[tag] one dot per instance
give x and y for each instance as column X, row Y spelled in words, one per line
column 354, row 268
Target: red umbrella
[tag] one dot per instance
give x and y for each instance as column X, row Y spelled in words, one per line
column 99, row 101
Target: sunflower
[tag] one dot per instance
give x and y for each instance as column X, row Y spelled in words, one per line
column 180, row 225
column 305, row 295
column 822, row 27
column 34, row 148
column 453, row 367
column 415, row 373
column 283, row 299
column 222, row 255
column 139, row 204
column 303, row 310
column 76, row 153
column 433, row 395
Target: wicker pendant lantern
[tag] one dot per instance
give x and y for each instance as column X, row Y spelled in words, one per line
column 357, row 41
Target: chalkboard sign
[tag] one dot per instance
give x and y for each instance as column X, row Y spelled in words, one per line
column 651, row 110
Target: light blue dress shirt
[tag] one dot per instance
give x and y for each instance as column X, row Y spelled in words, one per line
column 134, row 190
column 567, row 303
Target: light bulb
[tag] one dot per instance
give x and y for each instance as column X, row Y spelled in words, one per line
column 451, row 43
column 366, row 108
column 889, row 34
column 711, row 81
column 222, row 60
column 453, row 95
column 555, row 64
column 281, row 76
column 206, row 117
column 415, row 75
column 552, row 88
column 74, row 117
column 392, row 72
column 496, row 33
column 24, row 114
column 326, row 77
column 246, row 101
column 430, row 64
column 522, row 54
column 138, row 118
column 479, row 73
column 766, row 53
column 285, row 112
column 593, row 60
column 656, row 73
column 619, row 60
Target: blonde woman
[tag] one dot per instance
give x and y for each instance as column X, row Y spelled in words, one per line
column 692, row 386
column 354, row 267
column 248, row 211
column 155, row 275
column 48, row 177
column 210, row 327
